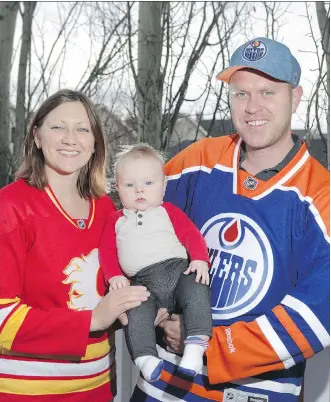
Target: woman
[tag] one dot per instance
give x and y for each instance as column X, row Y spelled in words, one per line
column 53, row 343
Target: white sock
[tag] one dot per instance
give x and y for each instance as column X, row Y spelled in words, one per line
column 150, row 366
column 192, row 360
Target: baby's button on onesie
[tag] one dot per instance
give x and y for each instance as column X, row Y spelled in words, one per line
column 139, row 219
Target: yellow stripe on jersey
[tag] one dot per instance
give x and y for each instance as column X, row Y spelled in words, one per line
column 9, row 301
column 63, row 212
column 57, row 387
column 92, row 214
column 12, row 326
column 97, row 350
column 58, row 206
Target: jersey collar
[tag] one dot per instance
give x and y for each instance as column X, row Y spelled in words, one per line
column 75, row 222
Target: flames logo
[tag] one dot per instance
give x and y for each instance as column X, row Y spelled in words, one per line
column 82, row 274
column 241, row 264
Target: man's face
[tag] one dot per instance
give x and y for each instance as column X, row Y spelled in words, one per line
column 262, row 108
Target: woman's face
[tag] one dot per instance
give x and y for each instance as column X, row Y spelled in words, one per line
column 66, row 139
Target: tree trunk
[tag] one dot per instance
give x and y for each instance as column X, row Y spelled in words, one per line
column 20, row 126
column 324, row 25
column 149, row 83
column 8, row 12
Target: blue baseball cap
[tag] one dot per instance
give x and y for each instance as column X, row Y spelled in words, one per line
column 265, row 55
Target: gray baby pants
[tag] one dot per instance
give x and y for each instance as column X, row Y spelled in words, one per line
column 167, row 286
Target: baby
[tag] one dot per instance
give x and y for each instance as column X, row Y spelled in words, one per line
column 149, row 241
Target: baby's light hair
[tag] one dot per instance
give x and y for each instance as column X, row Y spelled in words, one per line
column 135, row 151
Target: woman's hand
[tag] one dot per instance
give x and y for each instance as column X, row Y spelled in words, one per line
column 174, row 333
column 114, row 304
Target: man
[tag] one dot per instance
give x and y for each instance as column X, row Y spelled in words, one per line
column 262, row 203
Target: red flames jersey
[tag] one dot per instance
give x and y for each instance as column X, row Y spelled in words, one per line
column 269, row 252
column 50, row 282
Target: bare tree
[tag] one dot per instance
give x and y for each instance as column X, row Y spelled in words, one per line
column 188, row 29
column 108, row 32
column 318, row 105
column 149, row 85
column 323, row 16
column 274, row 12
column 44, row 63
column 226, row 28
column 197, row 51
column 8, row 13
column 20, row 125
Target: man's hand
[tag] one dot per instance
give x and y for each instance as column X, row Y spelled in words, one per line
column 162, row 315
column 173, row 333
column 201, row 268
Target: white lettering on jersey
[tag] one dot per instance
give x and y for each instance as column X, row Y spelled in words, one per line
column 241, row 264
column 229, row 340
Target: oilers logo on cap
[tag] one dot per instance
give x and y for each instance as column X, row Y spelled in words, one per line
column 241, row 264
column 254, row 51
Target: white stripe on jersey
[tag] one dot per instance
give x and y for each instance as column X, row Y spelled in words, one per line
column 4, row 312
column 189, row 170
column 249, row 382
column 319, row 221
column 275, row 341
column 156, row 393
column 201, row 167
column 310, row 318
column 312, row 207
column 267, row 385
column 234, row 164
column 223, row 168
column 283, row 180
column 54, row 369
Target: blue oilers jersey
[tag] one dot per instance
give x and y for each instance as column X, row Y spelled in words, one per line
column 268, row 245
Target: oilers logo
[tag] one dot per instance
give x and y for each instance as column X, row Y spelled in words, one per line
column 254, row 51
column 241, row 264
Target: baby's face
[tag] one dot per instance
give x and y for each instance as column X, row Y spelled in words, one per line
column 140, row 182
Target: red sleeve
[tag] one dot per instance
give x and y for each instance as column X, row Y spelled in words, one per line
column 187, row 233
column 25, row 329
column 107, row 249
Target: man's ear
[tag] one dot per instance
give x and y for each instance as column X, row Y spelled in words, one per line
column 296, row 97
column 36, row 137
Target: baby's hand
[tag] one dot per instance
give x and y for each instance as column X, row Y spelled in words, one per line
column 118, row 282
column 201, row 268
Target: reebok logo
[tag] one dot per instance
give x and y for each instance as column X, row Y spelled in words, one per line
column 256, row 399
column 230, row 344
